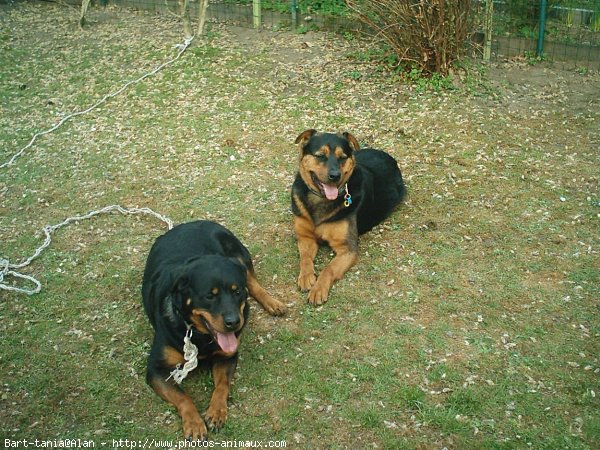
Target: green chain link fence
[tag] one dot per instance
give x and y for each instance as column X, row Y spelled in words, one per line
column 559, row 30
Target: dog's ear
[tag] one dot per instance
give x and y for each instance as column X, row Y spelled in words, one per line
column 352, row 140
column 303, row 137
column 239, row 264
column 181, row 283
column 162, row 283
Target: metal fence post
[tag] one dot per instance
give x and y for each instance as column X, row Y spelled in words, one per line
column 487, row 45
column 540, row 42
column 294, row 8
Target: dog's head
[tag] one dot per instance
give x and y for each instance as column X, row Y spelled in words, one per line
column 211, row 294
column 326, row 161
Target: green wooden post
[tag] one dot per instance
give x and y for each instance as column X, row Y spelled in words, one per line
column 256, row 13
column 540, row 42
column 487, row 45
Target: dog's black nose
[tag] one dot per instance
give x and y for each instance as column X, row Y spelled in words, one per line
column 334, row 175
column 231, row 322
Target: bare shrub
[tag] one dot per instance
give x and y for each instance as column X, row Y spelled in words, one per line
column 429, row 35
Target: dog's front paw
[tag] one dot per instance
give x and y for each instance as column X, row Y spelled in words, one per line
column 318, row 294
column 306, row 281
column 194, row 428
column 215, row 416
column 275, row 308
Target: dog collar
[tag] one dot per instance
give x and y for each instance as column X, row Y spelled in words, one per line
column 347, row 196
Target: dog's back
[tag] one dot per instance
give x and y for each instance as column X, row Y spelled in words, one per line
column 187, row 240
column 193, row 239
column 383, row 187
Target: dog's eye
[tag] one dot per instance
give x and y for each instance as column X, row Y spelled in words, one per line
column 321, row 157
column 212, row 294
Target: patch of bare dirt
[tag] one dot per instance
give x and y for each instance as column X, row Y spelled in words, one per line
column 525, row 85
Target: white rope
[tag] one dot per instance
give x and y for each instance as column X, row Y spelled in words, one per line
column 6, row 265
column 190, row 354
column 181, row 47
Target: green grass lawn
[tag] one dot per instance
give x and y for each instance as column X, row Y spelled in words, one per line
column 470, row 321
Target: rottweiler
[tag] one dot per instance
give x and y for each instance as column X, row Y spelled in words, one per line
column 339, row 193
column 198, row 276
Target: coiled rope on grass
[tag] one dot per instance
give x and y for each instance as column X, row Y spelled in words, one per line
column 8, row 268
column 11, row 269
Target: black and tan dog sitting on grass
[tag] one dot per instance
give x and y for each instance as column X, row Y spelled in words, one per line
column 339, row 193
column 196, row 284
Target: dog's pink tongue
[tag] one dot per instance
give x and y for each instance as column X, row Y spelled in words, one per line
column 331, row 191
column 227, row 341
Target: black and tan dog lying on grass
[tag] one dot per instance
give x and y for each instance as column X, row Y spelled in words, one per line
column 339, row 193
column 196, row 284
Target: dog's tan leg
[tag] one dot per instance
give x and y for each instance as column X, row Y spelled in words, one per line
column 222, row 372
column 307, row 247
column 343, row 240
column 272, row 306
column 193, row 426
